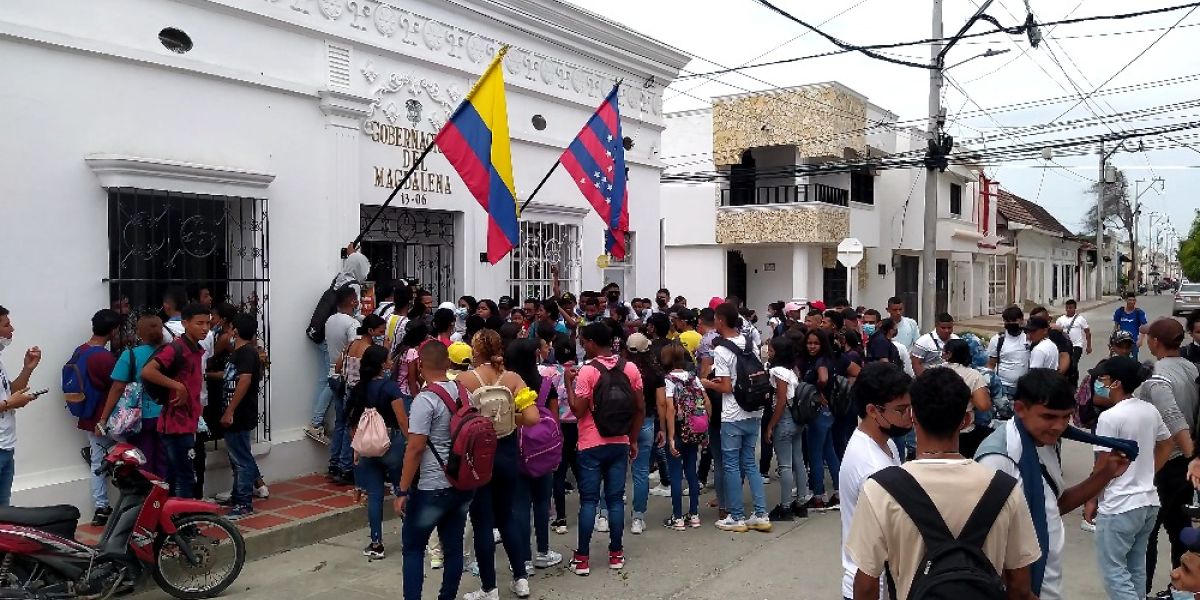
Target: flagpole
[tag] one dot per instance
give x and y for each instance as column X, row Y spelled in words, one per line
column 413, row 169
column 540, row 184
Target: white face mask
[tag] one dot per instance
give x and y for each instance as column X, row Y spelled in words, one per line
column 4, row 342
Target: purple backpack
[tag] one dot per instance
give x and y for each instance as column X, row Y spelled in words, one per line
column 541, row 444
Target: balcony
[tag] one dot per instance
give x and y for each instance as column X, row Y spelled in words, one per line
column 763, row 195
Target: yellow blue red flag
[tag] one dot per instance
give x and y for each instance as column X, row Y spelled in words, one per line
column 475, row 141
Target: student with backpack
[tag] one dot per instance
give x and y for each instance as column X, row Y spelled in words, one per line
column 653, row 395
column 502, row 397
column 564, row 358
column 606, row 397
column 430, row 496
column 86, row 380
column 816, row 369
column 795, row 406
column 540, row 451
column 684, row 417
column 127, row 398
column 942, row 525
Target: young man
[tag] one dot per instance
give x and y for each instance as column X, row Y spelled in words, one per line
column 1191, row 350
column 1076, row 327
column 1026, row 448
column 602, row 460
column 1008, row 356
column 1061, row 341
column 685, row 324
column 174, row 299
column 884, row 535
column 98, row 365
column 13, row 395
column 662, row 300
column 1131, row 318
column 739, row 429
column 907, row 330
column 430, row 503
column 177, row 423
column 704, row 366
column 1129, row 505
column 880, row 396
column 1043, row 354
column 340, row 329
column 243, row 376
column 927, row 351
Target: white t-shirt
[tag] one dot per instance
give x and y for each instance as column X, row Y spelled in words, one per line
column 1014, row 357
column 1052, row 580
column 1073, row 327
column 8, row 418
column 928, row 349
column 340, row 328
column 1044, row 355
column 172, row 329
column 725, row 365
column 786, row 375
column 1132, row 419
column 905, row 357
column 863, row 459
column 682, row 376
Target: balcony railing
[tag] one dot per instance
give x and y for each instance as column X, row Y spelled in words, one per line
column 763, row 195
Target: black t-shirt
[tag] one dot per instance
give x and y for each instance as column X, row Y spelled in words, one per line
column 652, row 381
column 244, row 361
column 1061, row 340
column 881, row 348
column 380, row 394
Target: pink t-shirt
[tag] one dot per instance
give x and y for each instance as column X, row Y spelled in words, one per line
column 407, row 363
column 585, row 383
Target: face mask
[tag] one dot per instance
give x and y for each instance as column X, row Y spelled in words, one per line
column 1182, row 595
column 662, row 302
column 893, row 431
column 1013, row 329
column 379, row 340
column 869, row 328
column 613, row 296
column 4, row 342
column 461, row 312
column 1101, row 389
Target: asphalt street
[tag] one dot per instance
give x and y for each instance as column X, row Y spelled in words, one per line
column 797, row 561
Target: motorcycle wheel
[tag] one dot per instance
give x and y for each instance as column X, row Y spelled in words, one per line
column 215, row 541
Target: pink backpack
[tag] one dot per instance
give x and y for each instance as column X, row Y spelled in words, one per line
column 541, row 444
column 371, row 439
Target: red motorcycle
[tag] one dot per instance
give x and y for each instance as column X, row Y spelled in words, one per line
column 186, row 545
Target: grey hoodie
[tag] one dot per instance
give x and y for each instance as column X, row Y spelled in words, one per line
column 354, row 268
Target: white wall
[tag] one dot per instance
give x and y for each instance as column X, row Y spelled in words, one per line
column 762, row 286
column 695, row 272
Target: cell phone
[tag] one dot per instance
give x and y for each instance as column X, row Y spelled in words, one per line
column 36, row 393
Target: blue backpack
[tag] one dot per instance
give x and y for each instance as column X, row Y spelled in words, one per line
column 83, row 398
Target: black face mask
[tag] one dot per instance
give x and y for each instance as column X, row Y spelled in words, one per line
column 894, row 431
column 1013, row 329
column 662, row 302
column 614, row 296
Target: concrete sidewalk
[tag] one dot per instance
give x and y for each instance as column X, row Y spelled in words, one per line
column 991, row 324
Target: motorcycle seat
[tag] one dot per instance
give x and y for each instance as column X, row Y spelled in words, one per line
column 40, row 516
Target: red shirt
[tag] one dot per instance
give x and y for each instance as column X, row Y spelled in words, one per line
column 585, row 385
column 182, row 420
column 99, row 367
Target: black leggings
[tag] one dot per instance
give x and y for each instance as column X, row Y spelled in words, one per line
column 570, row 431
column 1174, row 491
column 493, row 508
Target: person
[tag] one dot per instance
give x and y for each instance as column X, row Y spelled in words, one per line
column 404, row 357
column 611, row 293
column 1120, row 343
column 704, row 366
column 881, row 401
column 1026, row 448
column 488, row 309
column 785, row 434
column 96, row 363
column 1191, row 350
column 492, row 507
column 1008, row 357
column 602, row 460
column 883, row 532
column 907, row 330
column 1131, row 318
column 927, row 350
column 1129, row 504
column 1185, row 579
column 958, row 359
column 243, row 376
column 341, row 328
column 375, row 391
column 14, row 395
column 564, row 358
column 443, row 326
column 429, row 503
column 127, row 370
column 181, row 414
column 654, row 396
column 845, row 365
column 1043, row 353
column 816, row 370
column 1060, row 341
column 501, row 309
column 525, row 357
column 739, row 428
column 1076, row 327
column 685, row 323
column 174, row 299
column 684, row 400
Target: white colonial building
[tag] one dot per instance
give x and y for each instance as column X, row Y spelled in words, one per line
column 240, row 144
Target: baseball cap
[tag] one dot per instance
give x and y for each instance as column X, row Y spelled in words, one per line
column 817, row 305
column 637, row 343
column 505, row 302
column 715, row 301
column 1125, row 369
column 792, row 307
column 686, row 315
column 1036, row 323
column 460, row 353
column 446, row 305
column 1120, row 337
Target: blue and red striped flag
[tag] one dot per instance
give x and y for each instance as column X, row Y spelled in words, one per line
column 596, row 160
column 475, row 141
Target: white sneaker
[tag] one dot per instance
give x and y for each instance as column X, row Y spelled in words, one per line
column 262, row 491
column 759, row 523
column 492, row 595
column 766, row 479
column 436, row 561
column 316, row 434
column 660, row 490
column 601, row 524
column 223, row 497
column 731, row 524
column 496, row 535
column 638, row 526
column 654, row 476
column 520, row 587
column 1088, row 527
column 547, row 560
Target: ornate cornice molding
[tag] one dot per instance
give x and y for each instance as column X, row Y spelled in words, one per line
column 120, row 171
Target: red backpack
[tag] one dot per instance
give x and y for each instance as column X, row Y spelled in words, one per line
column 472, row 442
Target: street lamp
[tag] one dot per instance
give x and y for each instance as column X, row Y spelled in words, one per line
column 990, row 52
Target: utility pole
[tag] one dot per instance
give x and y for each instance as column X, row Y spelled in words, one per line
column 929, row 248
column 1100, row 228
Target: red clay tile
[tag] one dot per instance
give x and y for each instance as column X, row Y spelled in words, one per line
column 340, row 501
column 304, row 511
column 310, row 494
column 284, row 487
column 314, row 479
column 258, row 522
column 276, row 503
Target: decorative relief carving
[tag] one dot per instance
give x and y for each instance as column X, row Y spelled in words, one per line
column 369, row 73
column 800, row 224
column 387, row 20
column 332, row 9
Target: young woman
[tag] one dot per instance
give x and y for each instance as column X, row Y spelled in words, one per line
column 405, row 358
column 654, row 392
column 846, row 349
column 816, row 369
column 564, row 358
column 466, row 307
column 487, row 309
column 350, row 363
column 492, row 507
column 785, row 434
column 373, row 390
column 443, row 326
column 524, row 357
column 683, row 396
column 129, row 370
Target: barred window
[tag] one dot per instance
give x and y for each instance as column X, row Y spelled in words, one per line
column 543, row 248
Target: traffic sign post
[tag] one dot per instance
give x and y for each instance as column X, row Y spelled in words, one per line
column 850, row 253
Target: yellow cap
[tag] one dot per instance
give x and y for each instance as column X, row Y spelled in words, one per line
column 460, row 353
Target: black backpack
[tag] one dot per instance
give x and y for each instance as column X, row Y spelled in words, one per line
column 952, row 568
column 613, row 403
column 752, row 390
column 326, row 306
column 804, row 404
column 161, row 395
column 838, row 393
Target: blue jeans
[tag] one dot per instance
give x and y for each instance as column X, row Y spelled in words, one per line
column 324, row 395
column 684, row 466
column 445, row 510
column 533, row 499
column 180, row 452
column 738, row 440
column 820, row 452
column 243, row 465
column 372, row 473
column 602, row 464
column 641, row 468
column 789, row 453
column 6, row 476
column 1121, row 550
column 341, row 456
column 492, row 508
column 98, row 448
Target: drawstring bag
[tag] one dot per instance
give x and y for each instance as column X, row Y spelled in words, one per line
column 371, row 439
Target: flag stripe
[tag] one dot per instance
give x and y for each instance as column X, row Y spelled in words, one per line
column 608, row 115
column 598, row 152
column 581, row 166
column 503, row 209
column 465, row 145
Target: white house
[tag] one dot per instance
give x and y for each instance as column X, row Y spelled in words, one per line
column 240, row 144
column 1046, row 262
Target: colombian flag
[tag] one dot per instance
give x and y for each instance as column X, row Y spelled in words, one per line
column 475, row 141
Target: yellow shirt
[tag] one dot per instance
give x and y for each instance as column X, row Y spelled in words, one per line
column 691, row 341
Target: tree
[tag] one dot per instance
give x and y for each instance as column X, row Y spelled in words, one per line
column 1189, row 251
column 1118, row 208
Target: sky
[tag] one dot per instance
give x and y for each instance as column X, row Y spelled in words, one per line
column 1072, row 57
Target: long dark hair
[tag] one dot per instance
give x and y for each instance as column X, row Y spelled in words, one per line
column 370, row 367
column 826, row 347
column 472, row 304
column 785, row 352
column 521, row 358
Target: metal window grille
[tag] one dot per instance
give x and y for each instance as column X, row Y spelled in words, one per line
column 998, row 285
column 414, row 245
column 158, row 240
column 544, row 246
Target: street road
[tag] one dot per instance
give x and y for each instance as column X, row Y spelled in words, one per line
column 796, row 561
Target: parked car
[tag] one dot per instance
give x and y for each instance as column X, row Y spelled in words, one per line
column 1187, row 299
